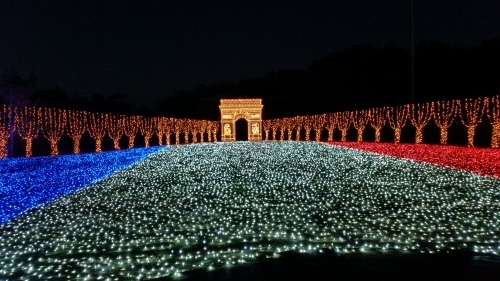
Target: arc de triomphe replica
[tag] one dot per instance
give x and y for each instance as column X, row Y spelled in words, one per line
column 232, row 110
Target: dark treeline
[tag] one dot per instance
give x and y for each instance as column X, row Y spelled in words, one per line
column 19, row 91
column 356, row 78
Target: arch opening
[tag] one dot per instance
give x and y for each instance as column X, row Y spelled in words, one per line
column 241, row 129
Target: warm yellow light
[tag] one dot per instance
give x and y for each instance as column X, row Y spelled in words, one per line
column 396, row 116
column 377, row 118
column 360, row 119
column 27, row 122
column 493, row 114
column 131, row 129
column 471, row 111
column 98, row 123
column 420, row 115
column 148, row 128
column 343, row 121
column 444, row 113
column 299, row 120
column 4, row 130
column 330, row 125
column 249, row 109
column 54, row 123
column 318, row 123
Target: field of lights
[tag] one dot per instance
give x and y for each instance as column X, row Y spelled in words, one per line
column 214, row 205
column 29, row 182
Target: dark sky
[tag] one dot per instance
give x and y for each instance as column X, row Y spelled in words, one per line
column 148, row 49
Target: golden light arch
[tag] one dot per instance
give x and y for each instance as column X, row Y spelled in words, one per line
column 232, row 110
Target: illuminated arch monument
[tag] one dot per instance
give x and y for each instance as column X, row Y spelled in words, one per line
column 232, row 110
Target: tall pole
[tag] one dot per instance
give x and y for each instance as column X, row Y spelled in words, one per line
column 412, row 56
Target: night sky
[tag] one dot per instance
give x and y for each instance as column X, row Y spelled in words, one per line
column 149, row 49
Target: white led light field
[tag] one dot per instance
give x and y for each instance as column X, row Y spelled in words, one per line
column 222, row 204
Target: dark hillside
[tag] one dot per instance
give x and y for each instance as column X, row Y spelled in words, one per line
column 356, row 78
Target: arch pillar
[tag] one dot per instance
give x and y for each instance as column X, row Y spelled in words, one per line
column 234, row 109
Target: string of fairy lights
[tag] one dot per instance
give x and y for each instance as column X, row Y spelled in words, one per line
column 213, row 205
column 54, row 123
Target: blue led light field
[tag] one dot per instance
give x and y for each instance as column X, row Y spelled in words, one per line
column 28, row 182
column 215, row 205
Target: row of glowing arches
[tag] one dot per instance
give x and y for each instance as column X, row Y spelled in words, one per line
column 469, row 111
column 29, row 122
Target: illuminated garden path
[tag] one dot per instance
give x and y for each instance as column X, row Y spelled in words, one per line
column 484, row 161
column 213, row 205
column 29, row 182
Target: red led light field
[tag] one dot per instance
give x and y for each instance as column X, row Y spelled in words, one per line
column 485, row 161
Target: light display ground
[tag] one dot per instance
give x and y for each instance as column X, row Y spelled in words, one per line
column 218, row 205
column 484, row 161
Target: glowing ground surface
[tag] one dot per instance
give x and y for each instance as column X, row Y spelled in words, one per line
column 208, row 206
column 485, row 161
column 29, row 182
